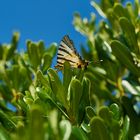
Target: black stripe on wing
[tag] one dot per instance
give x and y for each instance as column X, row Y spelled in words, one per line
column 59, row 63
column 59, row 54
column 62, row 49
column 65, row 59
column 70, row 44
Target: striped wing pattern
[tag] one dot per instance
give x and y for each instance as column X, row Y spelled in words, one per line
column 67, row 52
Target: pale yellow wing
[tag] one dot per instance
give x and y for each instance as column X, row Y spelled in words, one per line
column 67, row 52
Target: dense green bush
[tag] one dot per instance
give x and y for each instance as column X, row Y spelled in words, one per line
column 99, row 103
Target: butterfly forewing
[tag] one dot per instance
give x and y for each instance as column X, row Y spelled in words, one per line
column 69, row 42
column 67, row 52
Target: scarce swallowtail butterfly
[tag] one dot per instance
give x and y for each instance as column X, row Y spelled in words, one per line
column 67, row 52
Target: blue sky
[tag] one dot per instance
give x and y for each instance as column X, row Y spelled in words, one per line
column 47, row 20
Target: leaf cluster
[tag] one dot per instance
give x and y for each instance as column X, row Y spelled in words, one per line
column 99, row 103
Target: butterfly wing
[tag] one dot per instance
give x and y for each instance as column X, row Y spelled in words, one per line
column 67, row 52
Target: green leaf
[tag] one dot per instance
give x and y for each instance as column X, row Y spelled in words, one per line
column 34, row 53
column 106, row 115
column 6, row 93
column 98, row 9
column 114, row 22
column 112, row 125
column 54, row 122
column 132, row 13
column 67, row 75
column 52, row 50
column 116, row 111
column 78, row 134
column 129, row 109
column 57, row 87
column 78, row 73
column 13, row 46
column 66, row 128
column 36, row 122
column 3, row 134
column 14, row 74
column 85, row 98
column 85, row 27
column 127, row 104
column 90, row 112
column 18, row 74
column 129, row 32
column 22, row 104
column 6, row 121
column 86, row 127
column 28, row 100
column 41, row 79
column 116, row 130
column 124, row 56
column 106, row 5
column 47, row 62
column 86, row 91
column 125, row 130
column 40, row 48
column 46, row 96
column 129, row 87
column 75, row 93
column 98, row 129
column 120, row 11
column 136, row 8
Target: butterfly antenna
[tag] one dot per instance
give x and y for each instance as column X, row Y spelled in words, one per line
column 96, row 62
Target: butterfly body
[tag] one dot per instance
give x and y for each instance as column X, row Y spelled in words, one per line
column 67, row 52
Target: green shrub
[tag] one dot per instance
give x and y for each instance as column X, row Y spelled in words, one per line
column 99, row 103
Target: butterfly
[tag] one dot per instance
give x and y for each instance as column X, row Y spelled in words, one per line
column 67, row 52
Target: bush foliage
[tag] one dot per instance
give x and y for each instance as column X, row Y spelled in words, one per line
column 99, row 103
